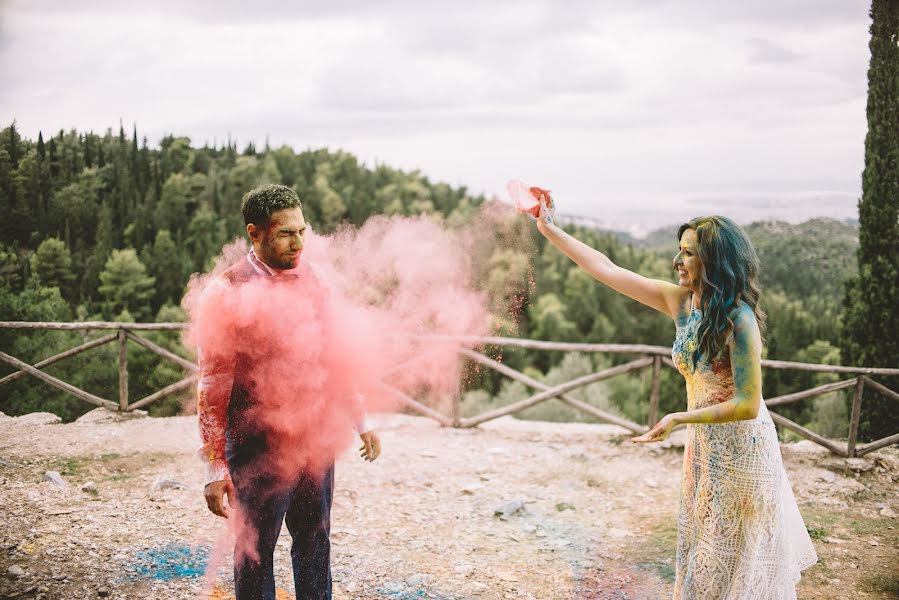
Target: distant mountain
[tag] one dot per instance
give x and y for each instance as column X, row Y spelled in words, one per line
column 816, row 256
column 812, row 257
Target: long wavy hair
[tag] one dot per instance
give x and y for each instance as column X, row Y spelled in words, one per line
column 730, row 268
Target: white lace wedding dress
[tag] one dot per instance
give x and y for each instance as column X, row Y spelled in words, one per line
column 740, row 534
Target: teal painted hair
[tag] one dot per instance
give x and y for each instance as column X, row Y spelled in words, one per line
column 730, row 268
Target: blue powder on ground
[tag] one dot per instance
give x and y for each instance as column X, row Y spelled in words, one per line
column 416, row 595
column 169, row 562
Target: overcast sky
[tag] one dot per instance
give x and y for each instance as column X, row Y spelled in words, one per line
column 639, row 114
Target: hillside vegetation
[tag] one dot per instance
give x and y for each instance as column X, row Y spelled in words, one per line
column 106, row 227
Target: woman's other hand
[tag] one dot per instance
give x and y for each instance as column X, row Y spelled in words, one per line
column 660, row 432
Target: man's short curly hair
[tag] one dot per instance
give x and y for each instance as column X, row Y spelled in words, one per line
column 260, row 203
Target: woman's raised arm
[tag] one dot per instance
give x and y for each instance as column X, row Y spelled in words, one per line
column 661, row 295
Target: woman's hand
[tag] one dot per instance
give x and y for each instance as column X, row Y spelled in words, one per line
column 547, row 210
column 660, row 432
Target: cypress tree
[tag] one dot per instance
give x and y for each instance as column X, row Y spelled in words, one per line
column 12, row 153
column 871, row 322
column 12, row 147
column 44, row 184
column 53, row 160
column 41, row 149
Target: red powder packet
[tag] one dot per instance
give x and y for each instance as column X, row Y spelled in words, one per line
column 526, row 199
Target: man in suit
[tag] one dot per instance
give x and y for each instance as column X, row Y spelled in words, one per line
column 247, row 425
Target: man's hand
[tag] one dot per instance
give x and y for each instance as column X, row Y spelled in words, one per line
column 215, row 497
column 371, row 446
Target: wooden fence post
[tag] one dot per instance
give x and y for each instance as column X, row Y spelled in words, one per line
column 654, row 396
column 123, row 370
column 856, row 412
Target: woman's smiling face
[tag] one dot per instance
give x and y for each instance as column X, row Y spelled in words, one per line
column 687, row 262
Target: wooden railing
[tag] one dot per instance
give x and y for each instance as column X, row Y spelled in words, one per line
column 653, row 357
column 123, row 333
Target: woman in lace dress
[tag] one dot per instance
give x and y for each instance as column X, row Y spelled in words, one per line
column 740, row 534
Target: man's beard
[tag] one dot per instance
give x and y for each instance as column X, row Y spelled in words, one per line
column 281, row 262
column 286, row 262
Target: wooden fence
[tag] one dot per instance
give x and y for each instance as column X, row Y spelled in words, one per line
column 646, row 357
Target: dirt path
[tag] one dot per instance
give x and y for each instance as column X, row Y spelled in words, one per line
column 597, row 515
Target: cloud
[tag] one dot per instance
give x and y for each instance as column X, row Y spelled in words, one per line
column 651, row 102
column 764, row 51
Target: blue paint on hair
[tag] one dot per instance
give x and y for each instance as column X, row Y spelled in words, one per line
column 730, row 268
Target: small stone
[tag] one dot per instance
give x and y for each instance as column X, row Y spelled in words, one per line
column 427, row 454
column 827, row 476
column 104, row 415
column 874, row 542
column 859, row 465
column 887, row 512
column 418, row 580
column 16, row 571
column 507, row 576
column 103, row 593
column 90, row 488
column 618, row 534
column 463, row 569
column 478, row 587
column 508, row 509
column 56, row 479
column 38, row 418
column 393, row 587
column 167, row 483
column 808, row 447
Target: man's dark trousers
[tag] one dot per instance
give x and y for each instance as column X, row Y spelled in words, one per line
column 266, row 500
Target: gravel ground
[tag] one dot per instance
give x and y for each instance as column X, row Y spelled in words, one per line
column 584, row 514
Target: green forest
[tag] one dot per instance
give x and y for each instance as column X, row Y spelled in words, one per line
column 106, row 227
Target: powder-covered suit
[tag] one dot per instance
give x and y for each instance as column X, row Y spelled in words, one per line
column 240, row 443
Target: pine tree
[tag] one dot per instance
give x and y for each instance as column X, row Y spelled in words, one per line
column 871, row 320
column 51, row 265
column 125, row 285
column 165, row 265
